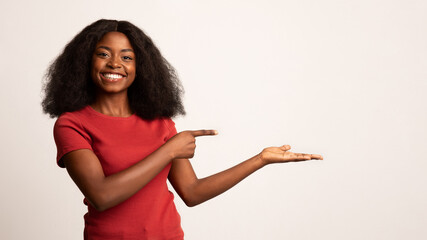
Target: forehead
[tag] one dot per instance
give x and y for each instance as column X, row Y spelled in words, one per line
column 115, row 40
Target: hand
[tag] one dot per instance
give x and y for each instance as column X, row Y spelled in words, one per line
column 281, row 155
column 183, row 144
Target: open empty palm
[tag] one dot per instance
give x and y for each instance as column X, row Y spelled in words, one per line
column 282, row 154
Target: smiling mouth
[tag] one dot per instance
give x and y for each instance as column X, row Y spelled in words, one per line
column 112, row 77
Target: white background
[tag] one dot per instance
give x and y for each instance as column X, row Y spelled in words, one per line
column 345, row 79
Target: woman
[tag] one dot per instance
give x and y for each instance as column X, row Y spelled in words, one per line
column 114, row 96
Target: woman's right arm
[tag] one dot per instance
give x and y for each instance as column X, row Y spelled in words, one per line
column 104, row 192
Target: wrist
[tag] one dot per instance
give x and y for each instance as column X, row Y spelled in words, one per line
column 168, row 152
column 260, row 161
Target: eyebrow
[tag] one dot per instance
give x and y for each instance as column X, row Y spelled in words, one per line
column 123, row 50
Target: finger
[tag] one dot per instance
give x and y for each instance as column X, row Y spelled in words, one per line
column 198, row 133
column 316, row 156
column 285, row 147
column 301, row 156
column 305, row 156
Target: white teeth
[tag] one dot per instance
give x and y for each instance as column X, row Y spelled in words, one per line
column 112, row 76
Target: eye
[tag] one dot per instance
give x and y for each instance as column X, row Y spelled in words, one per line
column 102, row 54
column 127, row 58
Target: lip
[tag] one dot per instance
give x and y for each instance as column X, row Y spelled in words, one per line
column 112, row 80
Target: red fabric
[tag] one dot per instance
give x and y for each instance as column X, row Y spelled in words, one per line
column 120, row 143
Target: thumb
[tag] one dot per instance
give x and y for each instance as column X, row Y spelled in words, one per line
column 285, row 147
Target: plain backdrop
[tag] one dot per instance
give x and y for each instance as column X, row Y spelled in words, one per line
column 345, row 79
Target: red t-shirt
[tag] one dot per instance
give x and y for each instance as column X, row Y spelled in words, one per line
column 120, row 142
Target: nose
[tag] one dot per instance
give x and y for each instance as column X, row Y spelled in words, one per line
column 114, row 62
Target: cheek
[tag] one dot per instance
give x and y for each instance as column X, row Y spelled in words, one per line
column 95, row 69
column 94, row 73
column 131, row 78
column 132, row 71
column 132, row 68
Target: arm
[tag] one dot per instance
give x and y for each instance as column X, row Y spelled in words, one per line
column 194, row 191
column 105, row 192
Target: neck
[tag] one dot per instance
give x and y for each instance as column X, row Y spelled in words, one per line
column 115, row 105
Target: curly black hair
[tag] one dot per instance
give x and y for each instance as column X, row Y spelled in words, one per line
column 156, row 91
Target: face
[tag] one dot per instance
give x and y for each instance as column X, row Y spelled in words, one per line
column 113, row 63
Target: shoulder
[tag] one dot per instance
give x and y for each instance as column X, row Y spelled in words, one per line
column 169, row 123
column 72, row 118
column 70, row 134
column 67, row 118
column 170, row 126
column 70, row 123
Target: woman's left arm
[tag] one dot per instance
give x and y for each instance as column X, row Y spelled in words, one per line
column 194, row 191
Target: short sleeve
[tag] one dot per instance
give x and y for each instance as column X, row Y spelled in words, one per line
column 69, row 135
column 171, row 126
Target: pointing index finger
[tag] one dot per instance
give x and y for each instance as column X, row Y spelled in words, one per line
column 198, row 133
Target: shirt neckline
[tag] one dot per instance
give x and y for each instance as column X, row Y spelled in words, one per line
column 107, row 116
